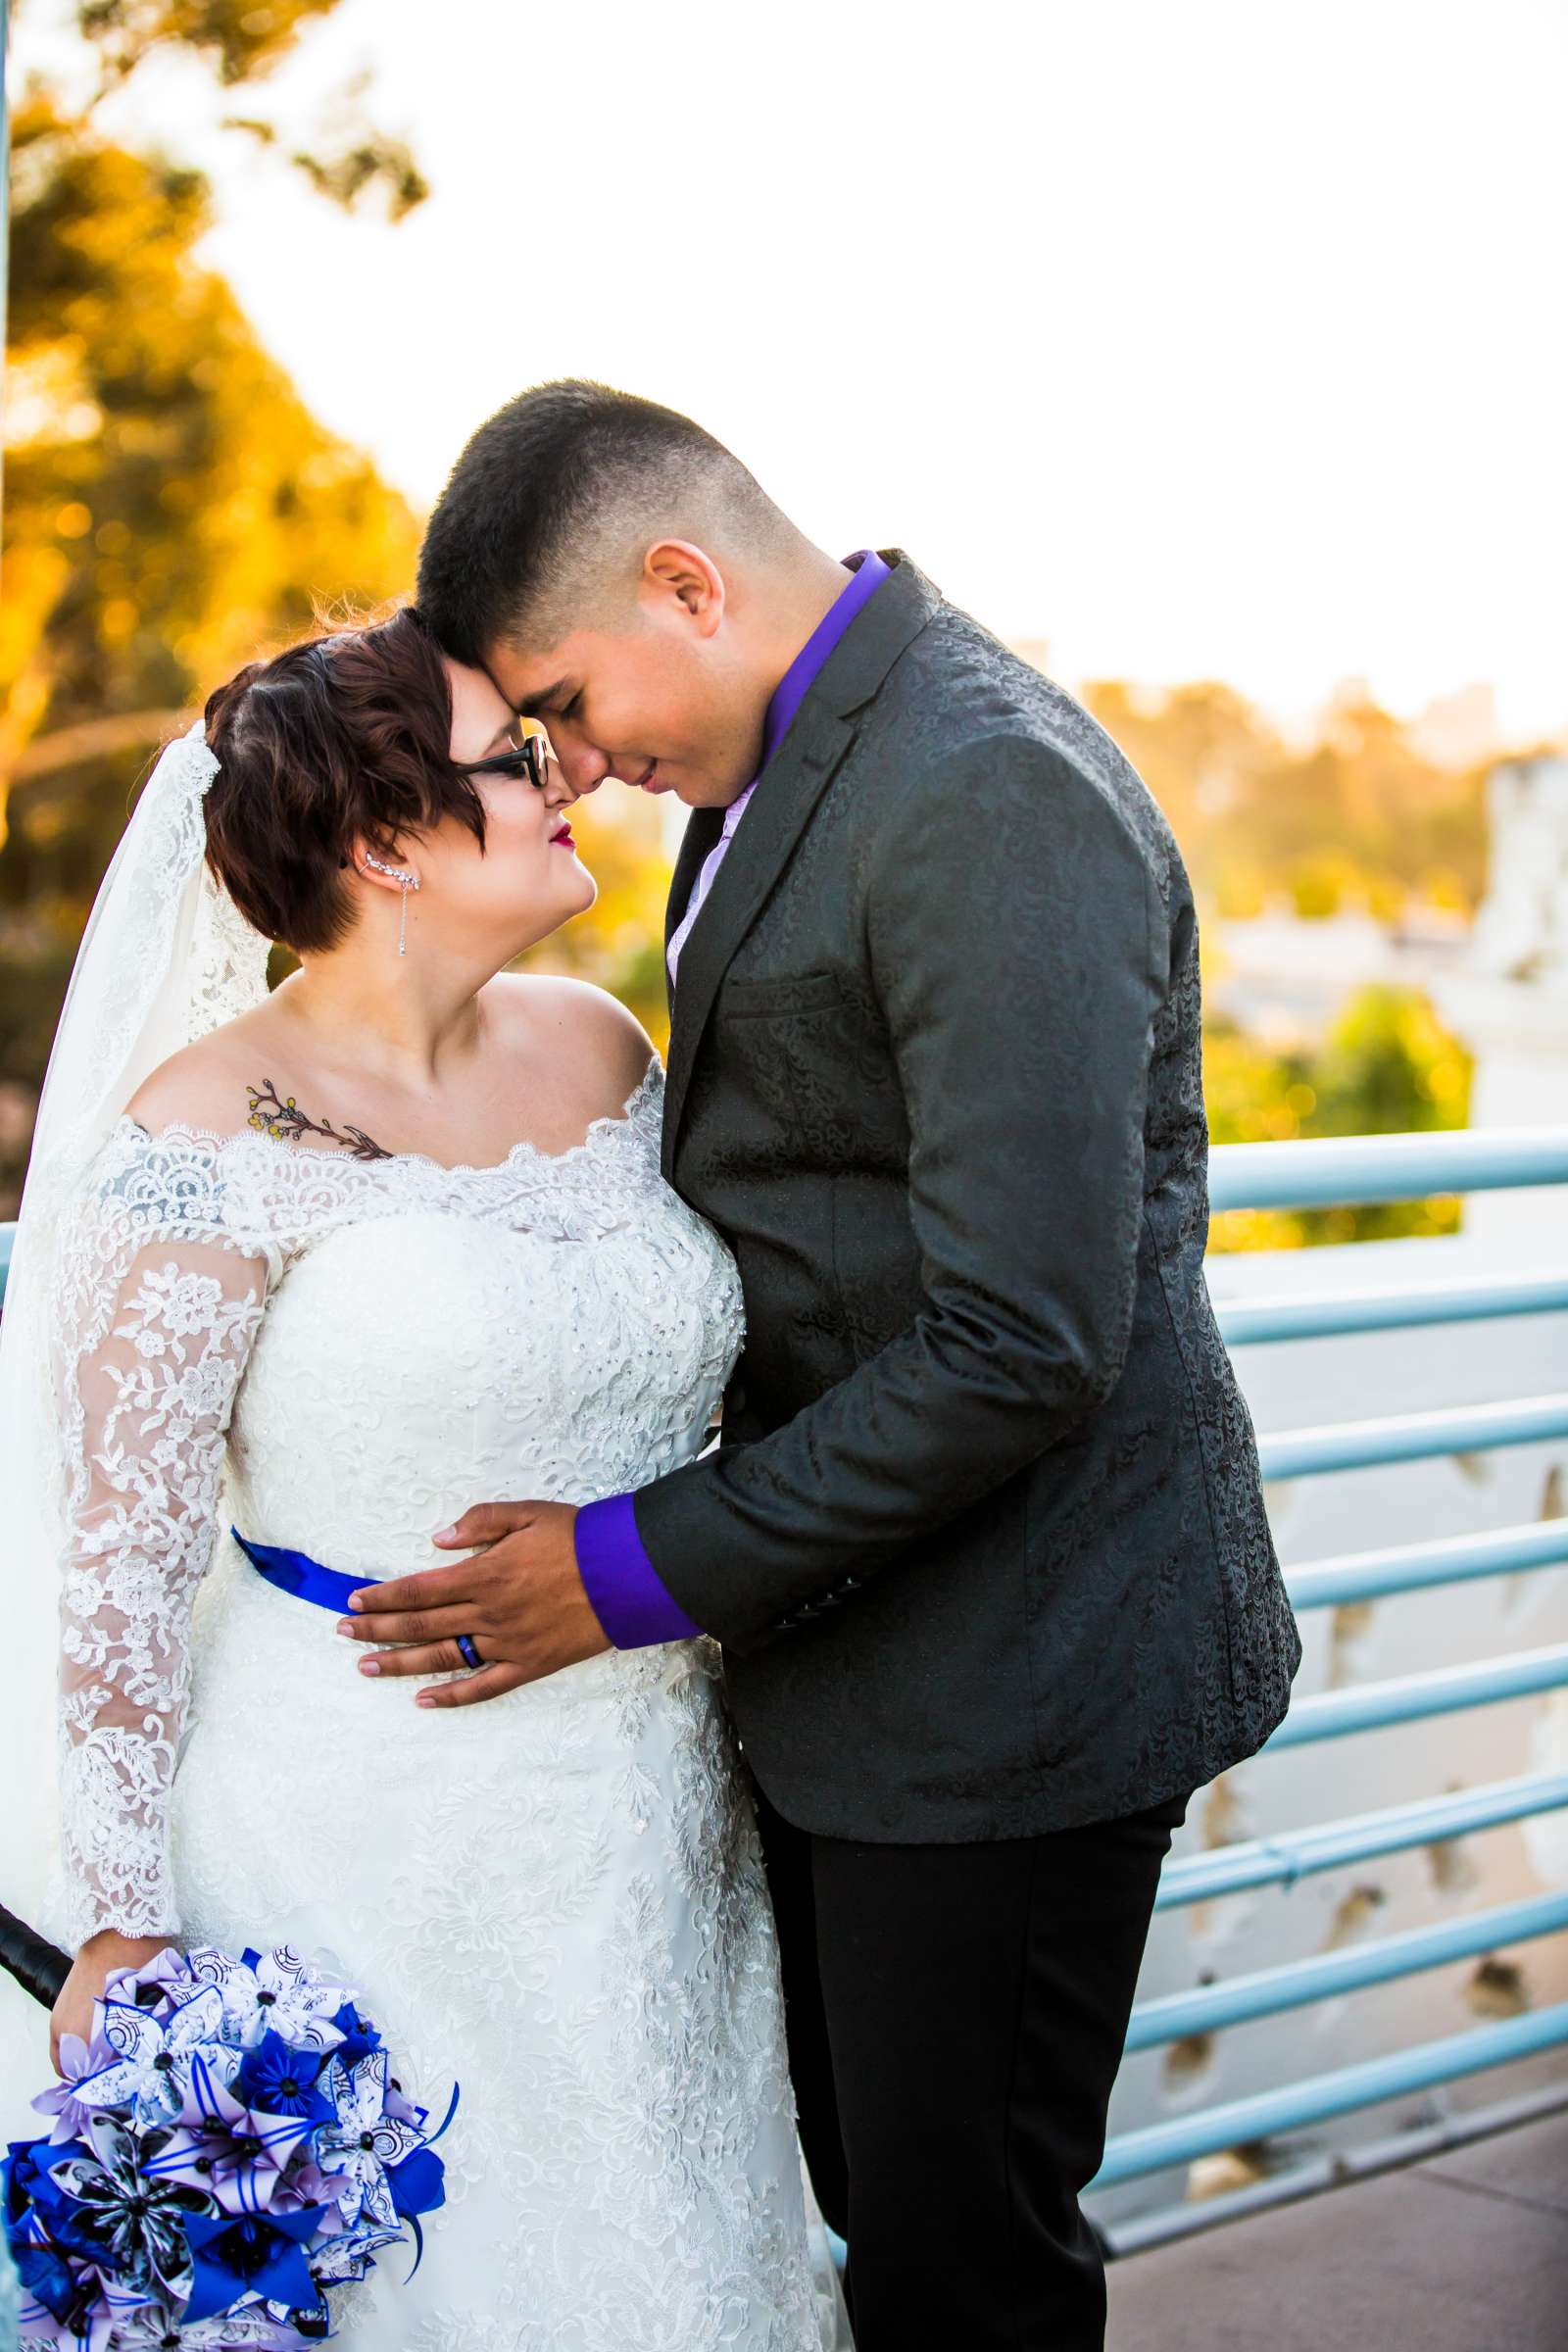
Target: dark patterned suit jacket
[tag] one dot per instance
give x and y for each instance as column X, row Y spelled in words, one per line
column 985, row 1542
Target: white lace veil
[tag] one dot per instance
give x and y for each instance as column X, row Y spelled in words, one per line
column 167, row 955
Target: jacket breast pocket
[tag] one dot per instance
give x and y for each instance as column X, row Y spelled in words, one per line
column 809, row 993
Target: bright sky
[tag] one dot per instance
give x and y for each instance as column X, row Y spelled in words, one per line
column 1218, row 339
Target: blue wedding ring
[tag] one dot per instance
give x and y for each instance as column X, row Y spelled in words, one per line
column 306, row 1579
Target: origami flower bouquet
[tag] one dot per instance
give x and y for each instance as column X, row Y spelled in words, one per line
column 230, row 2148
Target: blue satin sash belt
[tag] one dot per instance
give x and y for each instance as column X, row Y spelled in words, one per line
column 297, row 1573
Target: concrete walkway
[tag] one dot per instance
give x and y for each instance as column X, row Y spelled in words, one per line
column 1466, row 2252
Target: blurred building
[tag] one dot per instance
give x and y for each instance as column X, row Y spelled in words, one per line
column 1283, row 976
column 1507, row 995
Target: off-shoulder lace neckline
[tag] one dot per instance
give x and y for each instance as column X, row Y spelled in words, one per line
column 609, row 1121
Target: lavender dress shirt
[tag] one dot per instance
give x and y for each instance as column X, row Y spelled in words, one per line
column 623, row 1587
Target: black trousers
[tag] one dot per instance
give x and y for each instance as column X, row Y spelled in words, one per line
column 957, row 2015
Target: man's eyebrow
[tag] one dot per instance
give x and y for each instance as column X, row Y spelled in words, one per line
column 532, row 704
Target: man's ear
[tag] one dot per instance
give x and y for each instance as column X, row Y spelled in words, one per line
column 677, row 572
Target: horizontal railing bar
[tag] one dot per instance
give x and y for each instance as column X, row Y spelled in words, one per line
column 1415, row 1567
column 1295, row 2106
column 1250, row 1322
column 1346, row 1170
column 1412, row 1436
column 1343, row 1171
column 1326, row 1975
column 1335, row 2168
column 1413, row 1697
column 1294, row 1854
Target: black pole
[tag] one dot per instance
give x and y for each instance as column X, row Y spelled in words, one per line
column 39, row 1967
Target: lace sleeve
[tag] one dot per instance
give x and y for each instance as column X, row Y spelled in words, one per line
column 158, row 1309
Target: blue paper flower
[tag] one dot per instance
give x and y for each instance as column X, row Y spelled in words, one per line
column 282, row 2080
column 418, row 2184
column 251, row 2254
column 359, row 2036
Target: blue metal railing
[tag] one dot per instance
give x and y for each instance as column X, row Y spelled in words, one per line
column 1321, row 2097
column 1412, row 1436
column 1327, row 1975
column 1329, row 1314
column 1340, row 1173
column 1345, row 1171
column 1293, row 1854
column 1415, row 1567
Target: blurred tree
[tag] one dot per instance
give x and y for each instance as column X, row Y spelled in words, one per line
column 172, row 507
column 170, row 504
column 241, row 42
column 621, row 943
column 1359, row 817
column 174, row 510
column 237, row 39
column 1387, row 1067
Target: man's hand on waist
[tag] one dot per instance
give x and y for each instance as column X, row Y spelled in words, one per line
column 517, row 1601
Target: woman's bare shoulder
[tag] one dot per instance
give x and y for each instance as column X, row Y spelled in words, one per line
column 206, row 1085
column 586, row 1021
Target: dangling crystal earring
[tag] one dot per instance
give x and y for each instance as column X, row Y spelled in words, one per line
column 406, row 882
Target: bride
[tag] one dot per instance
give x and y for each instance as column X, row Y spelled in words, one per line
column 323, row 1267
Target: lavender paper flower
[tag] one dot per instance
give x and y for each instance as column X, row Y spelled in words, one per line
column 149, row 2068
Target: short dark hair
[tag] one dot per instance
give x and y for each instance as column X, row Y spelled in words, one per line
column 547, row 492
column 344, row 735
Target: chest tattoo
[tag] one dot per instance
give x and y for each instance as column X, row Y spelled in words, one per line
column 284, row 1119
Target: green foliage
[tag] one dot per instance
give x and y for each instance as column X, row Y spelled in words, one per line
column 1387, row 1067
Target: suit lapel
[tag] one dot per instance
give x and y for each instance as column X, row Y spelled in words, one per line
column 793, row 783
column 796, row 777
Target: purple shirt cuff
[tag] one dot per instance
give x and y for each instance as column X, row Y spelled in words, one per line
column 621, row 1581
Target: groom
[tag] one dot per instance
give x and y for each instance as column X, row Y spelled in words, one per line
column 984, row 1543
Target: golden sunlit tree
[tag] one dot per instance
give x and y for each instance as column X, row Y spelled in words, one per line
column 1358, row 816
column 171, row 506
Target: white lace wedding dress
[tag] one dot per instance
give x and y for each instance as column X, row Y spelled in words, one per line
column 555, row 1898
